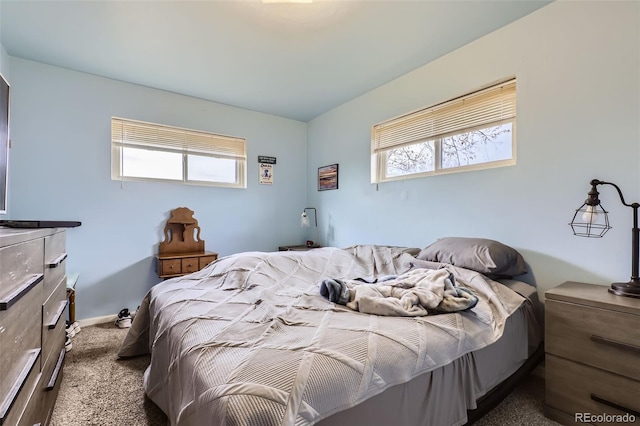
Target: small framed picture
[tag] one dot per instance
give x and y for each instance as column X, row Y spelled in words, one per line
column 266, row 174
column 328, row 177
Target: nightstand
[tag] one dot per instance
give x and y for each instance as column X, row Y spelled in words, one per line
column 592, row 345
column 297, row 248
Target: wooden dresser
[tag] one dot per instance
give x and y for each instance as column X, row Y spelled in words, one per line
column 32, row 323
column 592, row 365
column 182, row 251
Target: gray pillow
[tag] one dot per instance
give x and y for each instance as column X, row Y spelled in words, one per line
column 478, row 254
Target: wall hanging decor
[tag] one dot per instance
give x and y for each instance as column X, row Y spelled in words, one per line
column 328, row 177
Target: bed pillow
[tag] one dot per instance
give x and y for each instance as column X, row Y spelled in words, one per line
column 478, row 254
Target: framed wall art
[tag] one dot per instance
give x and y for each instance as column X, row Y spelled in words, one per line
column 328, row 177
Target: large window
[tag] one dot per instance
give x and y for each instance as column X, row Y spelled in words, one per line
column 471, row 132
column 147, row 151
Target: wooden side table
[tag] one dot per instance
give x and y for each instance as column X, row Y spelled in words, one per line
column 592, row 345
column 72, row 279
column 297, row 248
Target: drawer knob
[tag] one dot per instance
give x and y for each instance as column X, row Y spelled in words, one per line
column 55, row 263
column 56, row 372
column 12, row 395
column 620, row 345
column 24, row 288
column 622, row 408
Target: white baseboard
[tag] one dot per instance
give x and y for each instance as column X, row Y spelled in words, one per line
column 101, row 320
column 98, row 320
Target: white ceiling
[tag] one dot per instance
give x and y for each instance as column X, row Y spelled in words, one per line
column 292, row 60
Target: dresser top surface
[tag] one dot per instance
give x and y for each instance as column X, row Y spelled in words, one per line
column 10, row 236
column 593, row 295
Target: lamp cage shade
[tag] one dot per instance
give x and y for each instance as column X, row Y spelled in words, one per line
column 590, row 221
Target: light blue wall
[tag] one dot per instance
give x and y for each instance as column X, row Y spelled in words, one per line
column 4, row 70
column 4, row 63
column 60, row 169
column 578, row 110
column 578, row 82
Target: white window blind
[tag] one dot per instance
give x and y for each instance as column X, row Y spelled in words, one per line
column 492, row 106
column 140, row 148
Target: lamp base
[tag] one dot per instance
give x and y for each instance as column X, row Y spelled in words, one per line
column 630, row 289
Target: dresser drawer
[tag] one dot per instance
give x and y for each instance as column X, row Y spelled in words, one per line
column 598, row 337
column 205, row 260
column 190, row 264
column 32, row 414
column 576, row 388
column 55, row 256
column 50, row 384
column 17, row 262
column 20, row 388
column 171, row 266
column 53, row 322
column 19, row 334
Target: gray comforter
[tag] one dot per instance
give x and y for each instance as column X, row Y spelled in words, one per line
column 250, row 341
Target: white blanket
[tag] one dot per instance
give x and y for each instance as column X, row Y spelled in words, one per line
column 250, row 341
column 417, row 292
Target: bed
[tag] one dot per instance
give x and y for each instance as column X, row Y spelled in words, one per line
column 251, row 339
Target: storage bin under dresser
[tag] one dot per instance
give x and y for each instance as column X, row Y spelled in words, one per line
column 32, row 325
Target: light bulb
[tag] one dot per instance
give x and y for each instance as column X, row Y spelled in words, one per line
column 590, row 215
column 304, row 220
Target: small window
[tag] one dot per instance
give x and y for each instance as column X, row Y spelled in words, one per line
column 471, row 132
column 147, row 151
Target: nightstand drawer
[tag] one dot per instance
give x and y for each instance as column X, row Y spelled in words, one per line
column 602, row 338
column 190, row 264
column 171, row 266
column 576, row 388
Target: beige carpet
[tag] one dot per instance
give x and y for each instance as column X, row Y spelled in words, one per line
column 100, row 389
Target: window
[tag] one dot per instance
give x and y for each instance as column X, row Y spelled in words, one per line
column 471, row 132
column 147, row 151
